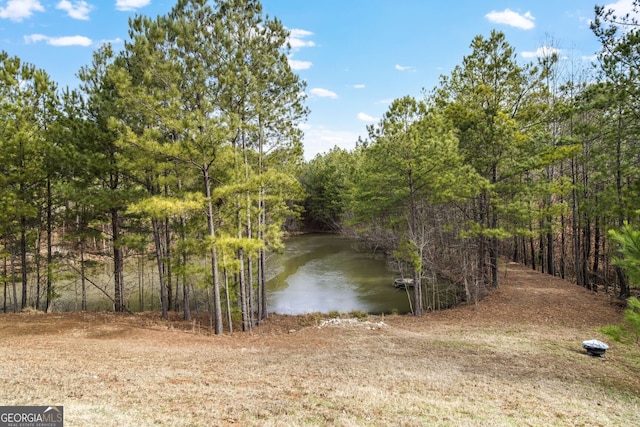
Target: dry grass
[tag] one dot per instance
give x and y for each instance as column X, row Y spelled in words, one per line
column 513, row 360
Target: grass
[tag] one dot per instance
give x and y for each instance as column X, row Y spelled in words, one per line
column 513, row 360
column 107, row 370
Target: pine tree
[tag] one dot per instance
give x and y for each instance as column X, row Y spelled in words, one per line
column 410, row 163
column 490, row 99
column 27, row 108
column 218, row 94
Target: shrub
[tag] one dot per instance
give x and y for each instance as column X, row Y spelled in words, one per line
column 358, row 314
column 630, row 330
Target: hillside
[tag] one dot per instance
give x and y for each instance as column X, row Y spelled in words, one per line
column 513, row 359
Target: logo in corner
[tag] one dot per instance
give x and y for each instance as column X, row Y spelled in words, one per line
column 31, row 416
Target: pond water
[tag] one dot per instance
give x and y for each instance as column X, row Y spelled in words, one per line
column 326, row 272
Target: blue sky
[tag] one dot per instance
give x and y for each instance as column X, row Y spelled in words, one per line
column 355, row 55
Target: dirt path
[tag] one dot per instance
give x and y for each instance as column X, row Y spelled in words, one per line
column 526, row 296
column 513, row 359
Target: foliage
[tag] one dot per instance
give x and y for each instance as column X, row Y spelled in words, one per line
column 628, row 239
column 495, row 104
column 410, row 166
column 186, row 148
column 326, row 180
column 629, row 259
column 629, row 332
column 359, row 314
column 632, row 317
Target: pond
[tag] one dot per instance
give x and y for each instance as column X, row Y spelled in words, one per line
column 325, row 273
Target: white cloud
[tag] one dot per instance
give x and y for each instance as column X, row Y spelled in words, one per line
column 541, row 52
column 34, row 38
column 115, row 41
column 70, row 41
column 59, row 41
column 297, row 36
column 297, row 40
column 590, row 58
column 297, row 65
column 366, row 118
column 323, row 93
column 17, row 10
column 511, row 18
column 79, row 9
column 621, row 7
column 358, row 86
column 318, row 139
column 405, row 68
column 126, row 5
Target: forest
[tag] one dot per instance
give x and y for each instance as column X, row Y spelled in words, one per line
column 185, row 149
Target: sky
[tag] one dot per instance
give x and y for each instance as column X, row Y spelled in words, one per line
column 356, row 56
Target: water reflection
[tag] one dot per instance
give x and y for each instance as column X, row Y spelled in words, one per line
column 324, row 272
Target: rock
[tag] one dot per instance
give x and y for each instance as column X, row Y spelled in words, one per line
column 595, row 347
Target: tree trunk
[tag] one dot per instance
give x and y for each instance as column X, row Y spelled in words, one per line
column 228, row 300
column 596, row 246
column 262, row 223
column 622, row 277
column 550, row 251
column 118, row 267
column 586, row 253
column 214, row 253
column 23, row 260
column 625, row 292
column 575, row 230
column 186, row 300
column 249, row 234
column 262, row 284
column 541, row 248
column 563, row 234
column 244, row 304
column 82, row 278
column 493, row 242
column 167, row 262
column 515, row 255
column 413, row 232
column 563, row 247
column 532, row 247
column 482, row 240
column 493, row 253
column 4, row 282
column 251, row 297
column 141, row 261
column 13, row 283
column 49, row 247
column 38, row 266
column 160, row 260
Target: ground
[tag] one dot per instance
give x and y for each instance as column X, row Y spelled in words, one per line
column 513, row 359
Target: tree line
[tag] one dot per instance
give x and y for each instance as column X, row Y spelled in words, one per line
column 532, row 163
column 185, row 142
column 185, row 147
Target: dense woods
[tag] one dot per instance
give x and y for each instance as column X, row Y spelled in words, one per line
column 502, row 161
column 184, row 148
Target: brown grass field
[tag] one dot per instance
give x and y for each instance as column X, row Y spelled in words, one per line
column 515, row 359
